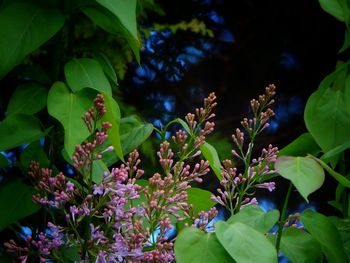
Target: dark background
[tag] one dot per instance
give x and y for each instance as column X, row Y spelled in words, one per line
column 292, row 44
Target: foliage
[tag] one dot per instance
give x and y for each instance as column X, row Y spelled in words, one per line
column 64, row 59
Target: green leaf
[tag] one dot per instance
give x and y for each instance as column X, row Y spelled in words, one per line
column 15, row 202
column 110, row 23
column 327, row 157
column 184, row 125
column 334, row 8
column 256, row 218
column 19, row 129
column 86, row 73
column 327, row 112
column 340, row 189
column 299, row 246
column 24, row 27
column 28, row 98
column 346, row 41
column 195, row 246
column 70, row 254
column 200, row 199
column 212, row 157
column 68, row 108
column 34, row 151
column 337, row 176
column 98, row 169
column 327, row 235
column 245, row 244
column 107, row 67
column 303, row 145
column 133, row 132
column 343, row 226
column 112, row 115
column 125, row 11
column 305, row 173
column 4, row 162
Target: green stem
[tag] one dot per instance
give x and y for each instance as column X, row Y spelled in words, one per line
column 344, row 196
column 283, row 217
column 232, row 210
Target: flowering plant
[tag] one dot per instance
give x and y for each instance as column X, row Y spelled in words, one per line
column 116, row 216
column 120, row 217
column 95, row 214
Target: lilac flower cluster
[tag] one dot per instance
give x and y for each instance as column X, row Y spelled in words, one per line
column 238, row 187
column 115, row 220
column 166, row 196
column 41, row 246
column 56, row 190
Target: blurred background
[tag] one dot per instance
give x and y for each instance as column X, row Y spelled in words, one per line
column 236, row 48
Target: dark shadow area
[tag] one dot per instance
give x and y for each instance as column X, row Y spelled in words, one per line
column 293, row 44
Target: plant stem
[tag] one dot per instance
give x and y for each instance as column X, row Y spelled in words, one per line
column 283, row 217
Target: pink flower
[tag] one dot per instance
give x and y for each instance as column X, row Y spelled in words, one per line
column 269, row 186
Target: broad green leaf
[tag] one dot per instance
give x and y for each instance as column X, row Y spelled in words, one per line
column 299, row 246
column 68, row 108
column 326, row 157
column 125, row 11
column 334, row 8
column 19, row 129
column 222, row 145
column 256, row 218
column 86, row 73
column 107, row 67
column 142, row 182
column 110, row 23
column 112, row 116
column 34, row 152
column 24, row 27
column 133, row 132
column 327, row 112
column 343, row 226
column 337, row 176
column 27, row 98
column 340, row 189
column 304, row 172
column 200, row 199
column 66, row 156
column 327, row 235
column 336, row 205
column 301, row 146
column 70, row 254
column 4, row 162
column 184, row 125
column 15, row 202
column 98, row 169
column 195, row 246
column 245, row 244
column 346, row 89
column 210, row 154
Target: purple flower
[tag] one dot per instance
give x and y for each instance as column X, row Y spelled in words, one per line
column 98, row 189
column 69, row 187
column 269, row 186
